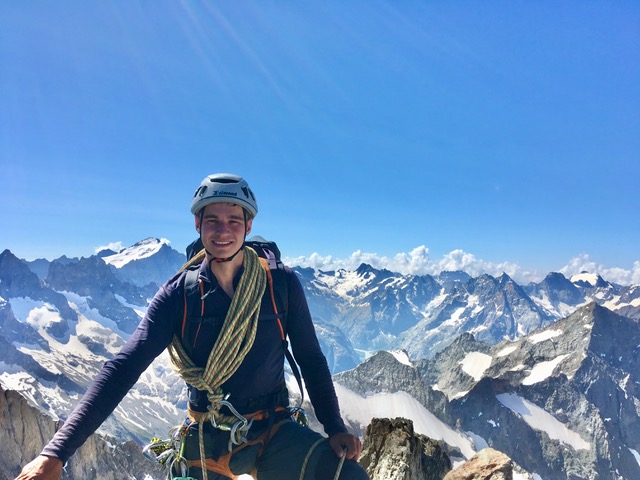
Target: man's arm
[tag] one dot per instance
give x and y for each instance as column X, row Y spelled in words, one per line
column 316, row 373
column 313, row 364
column 109, row 387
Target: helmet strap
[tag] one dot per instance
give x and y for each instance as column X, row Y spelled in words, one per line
column 223, row 259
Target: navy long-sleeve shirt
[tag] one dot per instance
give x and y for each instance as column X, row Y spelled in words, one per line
column 260, row 374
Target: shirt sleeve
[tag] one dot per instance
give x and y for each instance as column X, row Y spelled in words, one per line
column 120, row 373
column 313, row 364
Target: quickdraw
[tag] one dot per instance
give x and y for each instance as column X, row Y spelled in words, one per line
column 167, row 452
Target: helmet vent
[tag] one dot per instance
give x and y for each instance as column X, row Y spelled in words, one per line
column 225, row 180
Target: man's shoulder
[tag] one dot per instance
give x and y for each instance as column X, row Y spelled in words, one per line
column 174, row 285
column 284, row 273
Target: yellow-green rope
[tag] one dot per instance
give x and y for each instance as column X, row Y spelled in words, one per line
column 303, row 469
column 231, row 347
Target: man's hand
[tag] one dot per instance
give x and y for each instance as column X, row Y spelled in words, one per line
column 42, row 468
column 346, row 444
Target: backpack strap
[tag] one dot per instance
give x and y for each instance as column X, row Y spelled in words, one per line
column 193, row 292
column 277, row 280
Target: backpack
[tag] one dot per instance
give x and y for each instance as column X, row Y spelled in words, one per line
column 278, row 283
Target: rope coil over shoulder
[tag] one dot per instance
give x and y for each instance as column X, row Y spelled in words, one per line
column 231, row 347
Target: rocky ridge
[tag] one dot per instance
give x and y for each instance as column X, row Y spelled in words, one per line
column 562, row 402
column 392, row 450
column 25, row 429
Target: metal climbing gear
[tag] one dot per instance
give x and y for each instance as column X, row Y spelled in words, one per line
column 167, row 452
column 299, row 415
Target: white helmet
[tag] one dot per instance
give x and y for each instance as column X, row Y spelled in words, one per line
column 224, row 187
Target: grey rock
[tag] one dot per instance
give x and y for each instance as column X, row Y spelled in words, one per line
column 24, row 430
column 393, row 451
column 487, row 464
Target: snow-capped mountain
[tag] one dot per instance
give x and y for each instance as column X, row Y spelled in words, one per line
column 563, row 401
column 151, row 260
column 57, row 333
column 423, row 314
column 61, row 320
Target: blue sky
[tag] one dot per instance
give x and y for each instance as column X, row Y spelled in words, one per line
column 500, row 135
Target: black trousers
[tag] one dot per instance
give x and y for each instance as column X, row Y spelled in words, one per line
column 282, row 458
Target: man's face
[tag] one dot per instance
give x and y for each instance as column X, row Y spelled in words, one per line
column 222, row 228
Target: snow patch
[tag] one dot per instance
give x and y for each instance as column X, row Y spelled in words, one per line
column 437, row 301
column 478, row 442
column 455, row 318
column 543, row 370
column 399, row 404
column 475, row 364
column 402, row 357
column 43, row 395
column 543, row 336
column 140, row 311
column 81, row 305
column 635, row 454
column 455, row 396
column 541, row 420
column 507, row 350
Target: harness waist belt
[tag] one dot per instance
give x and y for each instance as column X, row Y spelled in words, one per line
column 255, row 416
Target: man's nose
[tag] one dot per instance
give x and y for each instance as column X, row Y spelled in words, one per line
column 221, row 227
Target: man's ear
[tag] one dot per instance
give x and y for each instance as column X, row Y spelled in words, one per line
column 248, row 227
column 196, row 219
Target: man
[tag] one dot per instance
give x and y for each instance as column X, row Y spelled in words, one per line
column 230, row 351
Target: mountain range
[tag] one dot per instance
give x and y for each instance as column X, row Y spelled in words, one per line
column 563, row 402
column 476, row 360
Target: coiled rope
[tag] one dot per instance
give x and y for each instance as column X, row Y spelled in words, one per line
column 232, row 345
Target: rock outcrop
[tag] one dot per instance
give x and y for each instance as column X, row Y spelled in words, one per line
column 393, row 451
column 487, row 464
column 24, row 430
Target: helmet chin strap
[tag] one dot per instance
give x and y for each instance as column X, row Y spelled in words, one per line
column 223, row 259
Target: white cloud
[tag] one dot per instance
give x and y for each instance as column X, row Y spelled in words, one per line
column 415, row 262
column 584, row 263
column 115, row 246
column 418, row 262
column 461, row 260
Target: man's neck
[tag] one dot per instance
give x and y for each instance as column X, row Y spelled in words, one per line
column 225, row 272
